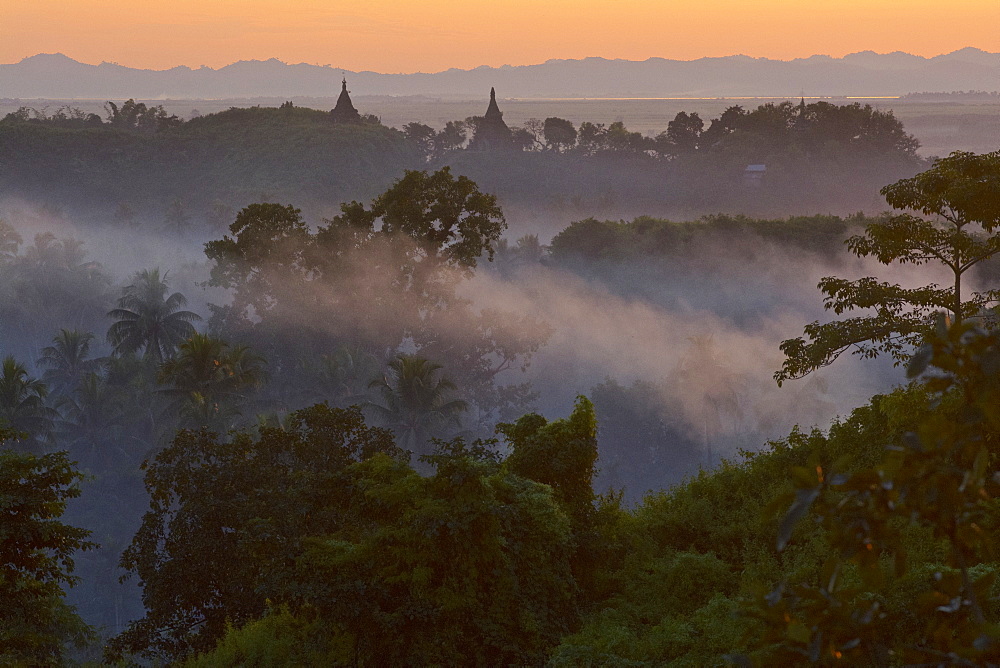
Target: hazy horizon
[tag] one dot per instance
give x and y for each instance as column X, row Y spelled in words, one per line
column 507, row 65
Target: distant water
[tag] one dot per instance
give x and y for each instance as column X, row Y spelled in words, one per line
column 754, row 97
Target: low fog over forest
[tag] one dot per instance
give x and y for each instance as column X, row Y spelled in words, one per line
column 216, row 284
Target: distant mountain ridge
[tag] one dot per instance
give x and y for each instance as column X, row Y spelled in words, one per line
column 858, row 74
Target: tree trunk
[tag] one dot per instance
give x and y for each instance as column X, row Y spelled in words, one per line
column 958, row 298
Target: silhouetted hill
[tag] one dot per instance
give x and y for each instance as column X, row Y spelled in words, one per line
column 862, row 74
column 236, row 156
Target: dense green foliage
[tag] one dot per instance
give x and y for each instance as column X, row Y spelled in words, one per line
column 939, row 484
column 228, row 515
column 36, row 556
column 468, row 565
column 693, row 552
column 280, row 533
column 683, row 576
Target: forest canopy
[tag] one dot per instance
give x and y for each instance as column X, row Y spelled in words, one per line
column 343, row 457
column 151, row 169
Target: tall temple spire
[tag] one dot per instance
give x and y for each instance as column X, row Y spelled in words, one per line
column 800, row 119
column 345, row 112
column 493, row 112
column 492, row 134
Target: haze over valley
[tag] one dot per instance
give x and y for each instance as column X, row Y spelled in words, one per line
column 590, row 362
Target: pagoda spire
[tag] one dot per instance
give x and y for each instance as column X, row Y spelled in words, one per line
column 493, row 112
column 492, row 134
column 345, row 112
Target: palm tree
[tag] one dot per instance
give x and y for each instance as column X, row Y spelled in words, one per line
column 50, row 253
column 95, row 421
column 67, row 361
column 208, row 379
column 53, row 286
column 345, row 374
column 416, row 401
column 149, row 320
column 22, row 403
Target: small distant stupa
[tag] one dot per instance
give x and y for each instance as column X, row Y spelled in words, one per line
column 492, row 134
column 345, row 112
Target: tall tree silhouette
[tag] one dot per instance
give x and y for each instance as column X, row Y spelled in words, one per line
column 149, row 320
column 959, row 196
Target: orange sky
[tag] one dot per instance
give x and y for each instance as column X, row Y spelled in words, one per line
column 431, row 35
